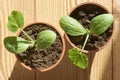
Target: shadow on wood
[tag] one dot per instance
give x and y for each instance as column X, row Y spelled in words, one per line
column 20, row 73
column 107, row 72
column 64, row 71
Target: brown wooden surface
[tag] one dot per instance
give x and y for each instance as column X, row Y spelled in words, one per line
column 116, row 41
column 103, row 65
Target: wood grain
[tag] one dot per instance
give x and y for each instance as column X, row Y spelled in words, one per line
column 9, row 68
column 116, row 40
column 103, row 65
column 116, row 50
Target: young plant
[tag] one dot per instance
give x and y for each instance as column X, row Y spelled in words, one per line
column 17, row 44
column 98, row 25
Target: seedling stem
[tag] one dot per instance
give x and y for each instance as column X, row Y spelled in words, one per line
column 27, row 35
column 85, row 41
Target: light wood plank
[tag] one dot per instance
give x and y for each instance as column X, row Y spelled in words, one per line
column 101, row 68
column 116, row 40
column 80, row 1
column 116, row 50
column 51, row 10
column 116, row 9
column 9, row 68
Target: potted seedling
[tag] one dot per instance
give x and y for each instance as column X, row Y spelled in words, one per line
column 84, row 13
column 96, row 27
column 38, row 46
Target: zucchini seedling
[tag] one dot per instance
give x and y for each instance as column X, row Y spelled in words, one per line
column 17, row 45
column 98, row 25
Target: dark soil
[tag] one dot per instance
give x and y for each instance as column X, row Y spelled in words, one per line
column 84, row 14
column 41, row 59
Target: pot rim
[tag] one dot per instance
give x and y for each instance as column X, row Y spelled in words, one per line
column 100, row 48
column 63, row 50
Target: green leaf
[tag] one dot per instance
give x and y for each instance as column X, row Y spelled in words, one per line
column 15, row 21
column 72, row 26
column 101, row 23
column 78, row 58
column 16, row 45
column 45, row 39
column 12, row 26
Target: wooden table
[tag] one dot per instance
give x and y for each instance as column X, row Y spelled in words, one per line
column 103, row 65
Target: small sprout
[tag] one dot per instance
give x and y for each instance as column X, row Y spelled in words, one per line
column 18, row 45
column 98, row 25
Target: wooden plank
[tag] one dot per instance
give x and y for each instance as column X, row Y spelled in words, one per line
column 10, row 69
column 51, row 10
column 101, row 66
column 80, row 1
column 116, row 40
column 116, row 50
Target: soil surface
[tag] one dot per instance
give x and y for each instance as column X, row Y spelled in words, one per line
column 84, row 16
column 41, row 59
